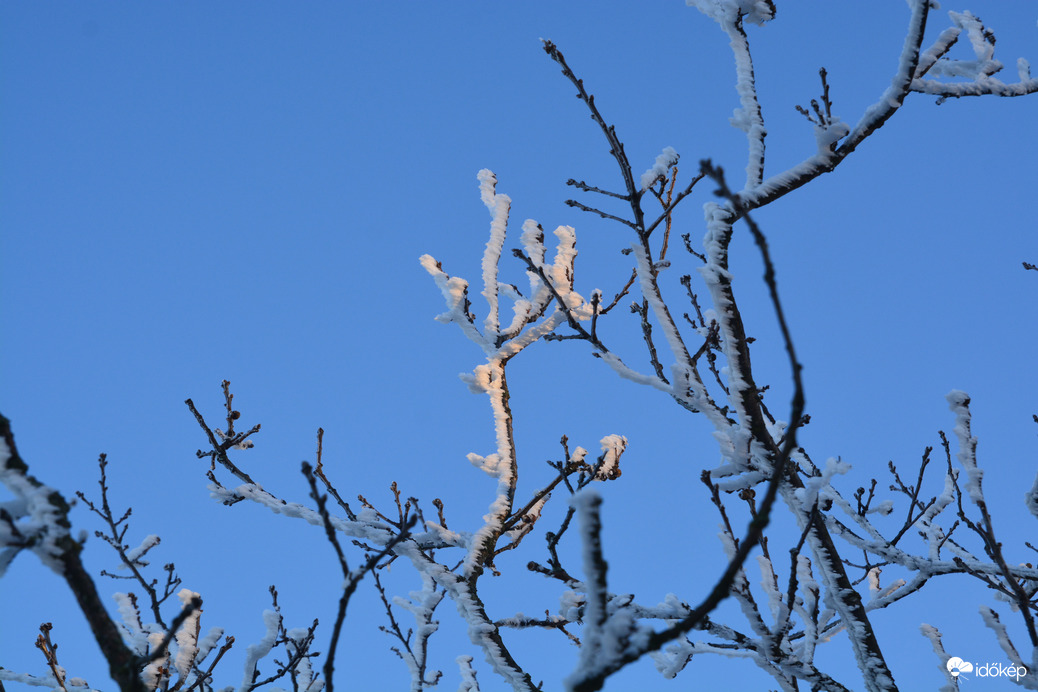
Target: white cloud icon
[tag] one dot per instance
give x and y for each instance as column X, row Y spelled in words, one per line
column 956, row 665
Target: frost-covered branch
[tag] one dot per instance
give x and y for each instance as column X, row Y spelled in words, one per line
column 421, row 604
column 549, row 283
column 45, row 531
column 748, row 117
column 978, row 72
column 130, row 559
column 959, row 402
column 296, row 642
column 842, row 549
column 352, row 578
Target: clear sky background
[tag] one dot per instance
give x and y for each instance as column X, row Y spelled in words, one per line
column 193, row 192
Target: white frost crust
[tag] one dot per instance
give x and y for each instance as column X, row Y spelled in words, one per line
column 934, row 534
column 807, row 605
column 500, row 465
column 532, row 240
column 874, row 116
column 685, row 386
column 734, row 440
column 871, row 541
column 747, row 117
column 586, row 503
column 1031, row 500
column 726, row 12
column 259, row 650
column 929, row 57
column 769, row 583
column 481, row 629
column 498, row 343
column 645, row 273
column 562, row 268
column 368, row 527
column 48, row 681
column 296, row 639
column 979, row 71
column 571, row 605
column 673, row 658
column 881, row 598
column 132, row 629
column 894, row 95
column 659, row 169
column 491, row 465
column 499, row 206
column 468, row 674
column 828, row 136
column 462, row 539
column 872, row 668
column 156, row 672
column 422, row 605
column 455, row 292
column 613, row 447
column 244, row 444
column 873, row 578
column 983, row 44
column 958, row 402
column 534, row 333
column 990, row 618
column 209, row 642
column 528, row 520
column 934, row 635
column 38, row 517
column 819, row 487
column 627, row 373
column 610, row 627
column 883, row 508
column 134, row 556
column 187, row 641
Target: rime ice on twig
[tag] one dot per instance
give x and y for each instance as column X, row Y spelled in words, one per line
column 36, row 518
column 549, row 283
column 978, row 72
column 729, row 14
column 468, row 675
column 659, row 169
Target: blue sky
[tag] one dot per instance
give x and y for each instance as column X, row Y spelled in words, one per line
column 196, row 192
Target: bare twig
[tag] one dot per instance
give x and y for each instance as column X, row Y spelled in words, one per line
column 219, row 451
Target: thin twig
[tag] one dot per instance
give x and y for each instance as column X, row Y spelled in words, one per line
column 352, row 578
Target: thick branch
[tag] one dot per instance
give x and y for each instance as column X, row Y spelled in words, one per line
column 123, row 664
